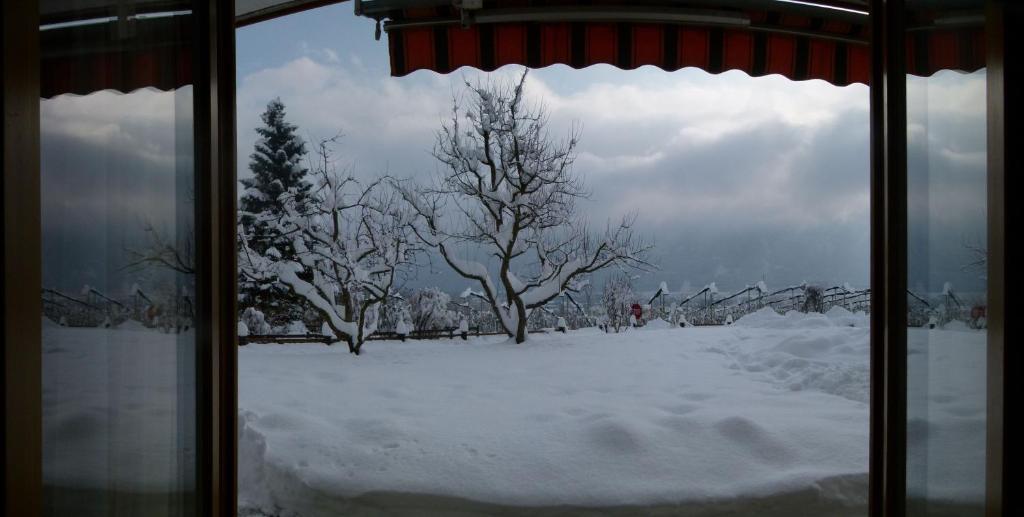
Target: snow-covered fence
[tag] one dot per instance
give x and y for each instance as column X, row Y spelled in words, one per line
column 919, row 311
column 443, row 333
column 69, row 311
column 707, row 307
column 697, row 313
column 170, row 311
column 114, row 312
column 285, row 339
column 141, row 304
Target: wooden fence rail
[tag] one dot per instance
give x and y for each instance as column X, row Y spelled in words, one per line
column 445, row 333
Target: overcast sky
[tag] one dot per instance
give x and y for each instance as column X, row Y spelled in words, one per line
column 737, row 179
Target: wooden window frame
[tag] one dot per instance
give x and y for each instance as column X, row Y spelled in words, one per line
column 216, row 361
column 216, row 293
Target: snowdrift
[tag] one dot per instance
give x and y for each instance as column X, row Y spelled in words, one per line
column 770, row 413
column 835, row 317
column 699, row 421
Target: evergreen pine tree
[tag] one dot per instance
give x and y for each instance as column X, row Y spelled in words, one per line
column 277, row 164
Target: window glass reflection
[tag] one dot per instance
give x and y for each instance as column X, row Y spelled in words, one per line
column 946, row 166
column 117, row 173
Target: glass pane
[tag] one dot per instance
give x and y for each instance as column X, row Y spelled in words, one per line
column 117, row 224
column 731, row 380
column 946, row 167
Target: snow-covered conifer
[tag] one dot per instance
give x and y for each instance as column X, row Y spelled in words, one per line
column 277, row 165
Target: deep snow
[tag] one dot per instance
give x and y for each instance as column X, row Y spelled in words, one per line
column 769, row 413
column 644, row 417
column 770, row 406
column 118, row 410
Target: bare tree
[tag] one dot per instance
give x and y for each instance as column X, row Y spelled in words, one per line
column 508, row 188
column 351, row 240
column 617, row 298
column 978, row 258
column 163, row 252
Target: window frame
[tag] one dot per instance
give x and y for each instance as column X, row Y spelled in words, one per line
column 216, row 258
column 216, row 361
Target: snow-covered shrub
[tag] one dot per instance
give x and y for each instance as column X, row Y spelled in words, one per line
column 296, row 328
column 402, row 328
column 618, row 298
column 255, row 322
column 428, row 309
column 394, row 311
column 814, row 299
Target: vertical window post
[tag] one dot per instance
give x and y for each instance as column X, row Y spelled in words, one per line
column 1003, row 22
column 887, row 464
column 215, row 247
column 20, row 251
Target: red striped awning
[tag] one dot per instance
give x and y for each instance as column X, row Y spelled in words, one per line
column 159, row 52
column 125, row 72
column 797, row 47
column 83, row 59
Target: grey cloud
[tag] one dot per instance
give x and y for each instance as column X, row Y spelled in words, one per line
column 736, row 178
column 98, row 189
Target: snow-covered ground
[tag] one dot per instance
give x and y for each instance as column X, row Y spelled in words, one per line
column 768, row 414
column 118, row 420
column 771, row 411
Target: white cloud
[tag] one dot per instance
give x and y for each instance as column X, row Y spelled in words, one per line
column 683, row 149
column 146, row 122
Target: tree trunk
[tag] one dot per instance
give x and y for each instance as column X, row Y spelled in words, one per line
column 521, row 324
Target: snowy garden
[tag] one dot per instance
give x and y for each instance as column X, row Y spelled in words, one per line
column 768, row 413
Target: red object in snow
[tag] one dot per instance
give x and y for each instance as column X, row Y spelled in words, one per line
column 638, row 311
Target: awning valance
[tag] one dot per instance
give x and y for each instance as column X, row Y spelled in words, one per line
column 81, row 59
column 795, row 40
column 758, row 42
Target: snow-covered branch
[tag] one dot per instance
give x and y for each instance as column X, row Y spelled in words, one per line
column 163, row 252
column 507, row 188
column 350, row 242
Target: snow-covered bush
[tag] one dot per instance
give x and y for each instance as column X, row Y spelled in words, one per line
column 402, row 328
column 508, row 189
column 393, row 313
column 428, row 308
column 350, row 241
column 618, row 297
column 296, row 328
column 255, row 322
column 814, row 299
